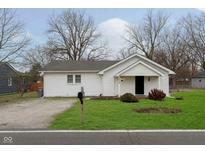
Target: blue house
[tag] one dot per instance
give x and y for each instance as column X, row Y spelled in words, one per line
column 8, row 78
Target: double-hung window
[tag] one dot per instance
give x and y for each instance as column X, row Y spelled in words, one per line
column 70, row 78
column 77, row 78
column 10, row 81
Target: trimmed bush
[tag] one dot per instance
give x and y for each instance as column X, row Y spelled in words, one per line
column 156, row 94
column 128, row 98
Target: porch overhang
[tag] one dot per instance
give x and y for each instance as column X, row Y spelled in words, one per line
column 139, row 69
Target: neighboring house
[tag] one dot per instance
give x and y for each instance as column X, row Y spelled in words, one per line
column 182, row 83
column 8, row 76
column 198, row 80
column 135, row 74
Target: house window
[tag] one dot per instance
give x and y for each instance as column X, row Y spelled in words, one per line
column 70, row 78
column 10, row 81
column 77, row 78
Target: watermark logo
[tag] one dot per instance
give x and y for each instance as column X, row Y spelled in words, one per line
column 7, row 140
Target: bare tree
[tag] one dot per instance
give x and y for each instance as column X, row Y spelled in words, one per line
column 73, row 35
column 173, row 52
column 12, row 36
column 37, row 55
column 145, row 38
column 124, row 53
column 194, row 36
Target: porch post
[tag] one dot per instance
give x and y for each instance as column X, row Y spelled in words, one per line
column 118, row 87
column 159, row 84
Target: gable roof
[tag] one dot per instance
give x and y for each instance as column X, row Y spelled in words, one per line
column 7, row 65
column 142, row 57
column 199, row 75
column 74, row 66
column 136, row 64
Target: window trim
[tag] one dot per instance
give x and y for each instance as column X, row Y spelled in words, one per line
column 10, row 81
column 80, row 79
column 72, row 79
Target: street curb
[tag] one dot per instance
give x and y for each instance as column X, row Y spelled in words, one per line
column 64, row 131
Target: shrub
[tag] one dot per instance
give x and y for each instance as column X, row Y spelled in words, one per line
column 129, row 98
column 156, row 94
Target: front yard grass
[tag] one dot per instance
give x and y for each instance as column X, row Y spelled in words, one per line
column 113, row 114
column 15, row 97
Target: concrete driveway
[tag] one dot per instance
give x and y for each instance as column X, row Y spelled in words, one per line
column 32, row 114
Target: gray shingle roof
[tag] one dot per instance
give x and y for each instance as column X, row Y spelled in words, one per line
column 200, row 75
column 72, row 65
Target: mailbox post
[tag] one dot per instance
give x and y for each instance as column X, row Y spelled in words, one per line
column 80, row 96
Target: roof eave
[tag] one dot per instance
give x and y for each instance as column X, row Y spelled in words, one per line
column 170, row 72
column 72, row 71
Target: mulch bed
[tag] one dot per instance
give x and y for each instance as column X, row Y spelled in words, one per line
column 179, row 98
column 114, row 97
column 158, row 110
column 104, row 98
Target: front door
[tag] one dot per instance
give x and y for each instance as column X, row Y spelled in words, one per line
column 139, row 84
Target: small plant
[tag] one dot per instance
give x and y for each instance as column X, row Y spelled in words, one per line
column 156, row 94
column 129, row 98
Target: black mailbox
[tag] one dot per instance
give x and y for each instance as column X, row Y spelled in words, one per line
column 80, row 96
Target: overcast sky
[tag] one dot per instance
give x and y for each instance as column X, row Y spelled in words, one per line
column 110, row 22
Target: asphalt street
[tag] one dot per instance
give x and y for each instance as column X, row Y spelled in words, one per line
column 105, row 138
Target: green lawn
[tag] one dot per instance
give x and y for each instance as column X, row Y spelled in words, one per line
column 113, row 114
column 15, row 97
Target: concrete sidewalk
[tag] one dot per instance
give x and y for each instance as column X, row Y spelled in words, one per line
column 105, row 138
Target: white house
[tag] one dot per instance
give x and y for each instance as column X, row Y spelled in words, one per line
column 135, row 74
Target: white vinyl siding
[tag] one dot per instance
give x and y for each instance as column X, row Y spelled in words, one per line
column 55, row 85
column 198, row 82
